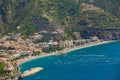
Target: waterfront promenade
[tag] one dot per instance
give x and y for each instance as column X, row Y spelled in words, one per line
column 66, row 50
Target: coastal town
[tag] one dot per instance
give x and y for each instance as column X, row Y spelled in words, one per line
column 15, row 50
column 59, row 39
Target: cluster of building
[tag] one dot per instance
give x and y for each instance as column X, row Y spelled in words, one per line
column 11, row 70
column 69, row 43
column 14, row 47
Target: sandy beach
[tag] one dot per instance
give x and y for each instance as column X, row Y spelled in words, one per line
column 65, row 51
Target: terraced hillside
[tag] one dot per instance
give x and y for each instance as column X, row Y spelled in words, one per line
column 112, row 6
column 68, row 16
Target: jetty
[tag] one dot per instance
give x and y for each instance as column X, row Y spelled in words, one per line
column 32, row 71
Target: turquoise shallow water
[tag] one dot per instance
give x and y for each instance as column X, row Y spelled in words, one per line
column 94, row 63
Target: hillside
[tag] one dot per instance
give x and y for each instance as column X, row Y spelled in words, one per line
column 112, row 6
column 67, row 17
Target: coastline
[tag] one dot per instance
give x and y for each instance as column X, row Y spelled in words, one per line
column 65, row 51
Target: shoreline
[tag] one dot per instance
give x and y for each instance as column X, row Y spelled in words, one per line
column 65, row 51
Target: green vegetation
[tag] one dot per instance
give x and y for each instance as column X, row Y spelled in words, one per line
column 52, row 49
column 36, row 53
column 68, row 15
column 44, row 39
column 2, row 71
column 20, row 57
column 111, row 6
column 27, row 29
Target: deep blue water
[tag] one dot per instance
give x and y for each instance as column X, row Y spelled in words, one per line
column 94, row 63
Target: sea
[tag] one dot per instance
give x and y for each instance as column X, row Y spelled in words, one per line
column 101, row 62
